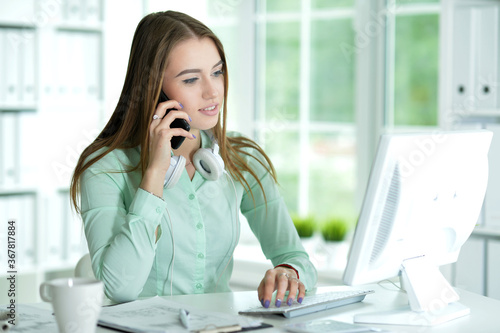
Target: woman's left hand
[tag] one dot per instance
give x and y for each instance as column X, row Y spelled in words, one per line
column 282, row 279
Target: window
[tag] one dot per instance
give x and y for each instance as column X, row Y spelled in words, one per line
column 305, row 103
column 412, row 54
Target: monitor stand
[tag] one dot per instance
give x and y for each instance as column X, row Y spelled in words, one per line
column 432, row 300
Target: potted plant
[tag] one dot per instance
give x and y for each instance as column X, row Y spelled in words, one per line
column 306, row 228
column 334, row 231
column 305, row 225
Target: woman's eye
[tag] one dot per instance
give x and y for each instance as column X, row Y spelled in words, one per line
column 218, row 73
column 190, row 81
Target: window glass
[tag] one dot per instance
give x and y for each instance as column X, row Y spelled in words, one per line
column 220, row 9
column 416, row 70
column 283, row 5
column 333, row 175
column 281, row 146
column 323, row 4
column 282, row 70
column 332, row 73
column 410, row 2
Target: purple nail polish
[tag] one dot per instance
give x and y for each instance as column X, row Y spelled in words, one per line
column 289, row 302
column 278, row 303
column 300, row 300
column 182, row 106
column 194, row 136
column 266, row 303
column 190, row 118
column 262, row 302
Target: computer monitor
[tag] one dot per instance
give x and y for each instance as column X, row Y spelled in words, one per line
column 423, row 199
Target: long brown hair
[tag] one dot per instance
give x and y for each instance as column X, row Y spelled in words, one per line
column 155, row 37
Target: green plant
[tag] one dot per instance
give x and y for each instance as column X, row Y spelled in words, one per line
column 305, row 225
column 334, row 230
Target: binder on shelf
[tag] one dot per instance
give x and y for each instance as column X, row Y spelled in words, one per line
column 92, row 11
column 28, row 67
column 48, row 66
column 63, row 65
column 487, row 36
column 76, row 78
column 3, row 233
column 26, row 229
column 3, row 163
column 30, row 149
column 3, row 59
column 10, row 148
column 76, row 244
column 13, row 11
column 12, row 66
column 73, row 11
column 54, row 231
column 491, row 207
column 462, row 84
column 92, row 47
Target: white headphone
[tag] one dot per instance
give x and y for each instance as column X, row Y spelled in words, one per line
column 207, row 162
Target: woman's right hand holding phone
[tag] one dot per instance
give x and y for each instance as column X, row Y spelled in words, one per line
column 160, row 136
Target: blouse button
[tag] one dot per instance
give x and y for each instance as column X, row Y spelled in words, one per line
column 158, row 210
column 199, row 286
column 199, row 226
column 191, row 196
column 201, row 256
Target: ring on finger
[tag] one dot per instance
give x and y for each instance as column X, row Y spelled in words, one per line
column 285, row 274
column 295, row 279
column 156, row 117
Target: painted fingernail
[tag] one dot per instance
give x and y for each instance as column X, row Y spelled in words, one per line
column 300, row 300
column 262, row 302
column 278, row 303
column 289, row 302
column 194, row 136
column 182, row 106
column 190, row 118
column 266, row 303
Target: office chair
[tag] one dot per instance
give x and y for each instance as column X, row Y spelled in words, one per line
column 84, row 267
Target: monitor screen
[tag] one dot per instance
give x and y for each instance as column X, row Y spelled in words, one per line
column 423, row 199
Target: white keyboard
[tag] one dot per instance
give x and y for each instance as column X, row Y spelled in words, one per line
column 312, row 303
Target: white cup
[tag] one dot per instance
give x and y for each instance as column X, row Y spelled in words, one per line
column 76, row 302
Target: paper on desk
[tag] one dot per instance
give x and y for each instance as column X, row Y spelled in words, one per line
column 157, row 314
column 30, row 319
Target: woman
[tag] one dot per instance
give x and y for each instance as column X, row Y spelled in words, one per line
column 153, row 233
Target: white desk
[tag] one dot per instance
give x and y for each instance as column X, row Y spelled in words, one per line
column 484, row 317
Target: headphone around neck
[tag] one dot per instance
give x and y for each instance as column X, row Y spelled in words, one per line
column 207, row 162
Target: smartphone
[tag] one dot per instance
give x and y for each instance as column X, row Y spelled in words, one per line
column 176, row 141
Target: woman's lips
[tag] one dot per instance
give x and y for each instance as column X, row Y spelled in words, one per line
column 211, row 110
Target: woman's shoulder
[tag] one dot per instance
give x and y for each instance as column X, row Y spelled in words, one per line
column 117, row 159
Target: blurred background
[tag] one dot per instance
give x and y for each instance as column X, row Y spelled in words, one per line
column 315, row 82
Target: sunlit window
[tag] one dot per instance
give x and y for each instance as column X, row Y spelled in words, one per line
column 305, row 89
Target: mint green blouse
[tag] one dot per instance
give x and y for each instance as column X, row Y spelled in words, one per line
column 198, row 229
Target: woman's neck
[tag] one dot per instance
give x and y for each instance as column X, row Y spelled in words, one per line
column 189, row 146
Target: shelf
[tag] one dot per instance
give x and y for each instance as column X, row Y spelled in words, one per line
column 486, row 233
column 17, row 190
column 476, row 113
column 18, row 107
column 16, row 24
column 80, row 27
